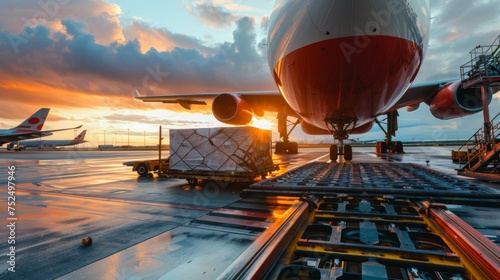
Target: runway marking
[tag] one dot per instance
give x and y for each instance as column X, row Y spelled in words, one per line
column 319, row 158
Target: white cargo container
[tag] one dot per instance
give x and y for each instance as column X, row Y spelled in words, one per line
column 233, row 150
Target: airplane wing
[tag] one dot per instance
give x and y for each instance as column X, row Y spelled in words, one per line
column 22, row 136
column 271, row 101
column 420, row 92
column 447, row 99
column 30, row 135
column 451, row 100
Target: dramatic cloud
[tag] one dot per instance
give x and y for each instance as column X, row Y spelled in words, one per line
column 162, row 39
column 100, row 17
column 213, row 15
column 457, row 27
column 72, row 62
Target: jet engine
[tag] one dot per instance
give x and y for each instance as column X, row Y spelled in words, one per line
column 231, row 109
column 453, row 101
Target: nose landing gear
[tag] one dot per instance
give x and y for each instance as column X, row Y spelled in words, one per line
column 339, row 128
column 341, row 149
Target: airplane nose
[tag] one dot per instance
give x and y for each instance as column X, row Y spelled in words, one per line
column 336, row 19
column 319, row 12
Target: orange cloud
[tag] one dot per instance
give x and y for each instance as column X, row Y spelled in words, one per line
column 161, row 39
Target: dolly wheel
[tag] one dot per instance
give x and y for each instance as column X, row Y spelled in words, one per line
column 142, row 170
column 192, row 182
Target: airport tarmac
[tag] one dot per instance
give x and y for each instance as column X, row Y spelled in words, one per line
column 149, row 228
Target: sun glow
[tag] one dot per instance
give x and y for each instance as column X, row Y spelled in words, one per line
column 261, row 123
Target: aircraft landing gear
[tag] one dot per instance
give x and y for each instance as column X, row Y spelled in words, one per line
column 339, row 129
column 285, row 146
column 389, row 146
column 336, row 150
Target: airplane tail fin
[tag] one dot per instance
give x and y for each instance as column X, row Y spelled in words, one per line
column 80, row 136
column 34, row 122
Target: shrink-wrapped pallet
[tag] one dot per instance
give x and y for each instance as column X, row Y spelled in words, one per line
column 228, row 149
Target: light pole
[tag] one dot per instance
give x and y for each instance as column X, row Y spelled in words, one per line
column 104, row 137
column 128, row 137
column 144, row 138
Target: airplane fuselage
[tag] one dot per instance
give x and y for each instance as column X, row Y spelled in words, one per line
column 48, row 144
column 346, row 61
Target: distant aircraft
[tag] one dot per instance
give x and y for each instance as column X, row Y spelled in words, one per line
column 29, row 129
column 338, row 66
column 48, row 144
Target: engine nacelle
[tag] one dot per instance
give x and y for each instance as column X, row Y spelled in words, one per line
column 453, row 101
column 231, row 109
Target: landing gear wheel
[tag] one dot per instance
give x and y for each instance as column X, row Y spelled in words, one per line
column 348, row 152
column 192, row 182
column 381, row 148
column 142, row 170
column 279, row 149
column 334, row 152
column 293, row 148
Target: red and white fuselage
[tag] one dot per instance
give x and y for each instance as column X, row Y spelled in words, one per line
column 345, row 61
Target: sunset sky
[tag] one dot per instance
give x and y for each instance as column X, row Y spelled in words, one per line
column 84, row 60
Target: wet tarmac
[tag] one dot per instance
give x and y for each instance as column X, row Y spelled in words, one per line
column 149, row 228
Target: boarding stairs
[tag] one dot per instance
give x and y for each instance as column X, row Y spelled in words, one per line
column 484, row 66
column 483, row 154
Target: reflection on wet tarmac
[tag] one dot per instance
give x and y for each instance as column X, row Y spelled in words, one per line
column 149, row 227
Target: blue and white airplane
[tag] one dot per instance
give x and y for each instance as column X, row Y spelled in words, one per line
column 48, row 144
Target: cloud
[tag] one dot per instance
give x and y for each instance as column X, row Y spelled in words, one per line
column 105, row 27
column 264, row 23
column 73, row 62
column 162, row 39
column 457, row 27
column 100, row 18
column 212, row 15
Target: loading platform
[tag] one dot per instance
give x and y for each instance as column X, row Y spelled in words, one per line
column 369, row 221
column 481, row 153
column 484, row 66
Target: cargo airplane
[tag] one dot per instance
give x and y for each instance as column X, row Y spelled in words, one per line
column 29, row 129
column 339, row 66
column 48, row 144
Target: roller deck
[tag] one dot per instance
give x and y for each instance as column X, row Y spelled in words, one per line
column 369, row 221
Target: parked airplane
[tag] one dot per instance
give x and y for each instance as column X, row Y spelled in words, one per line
column 48, row 144
column 339, row 65
column 29, row 129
